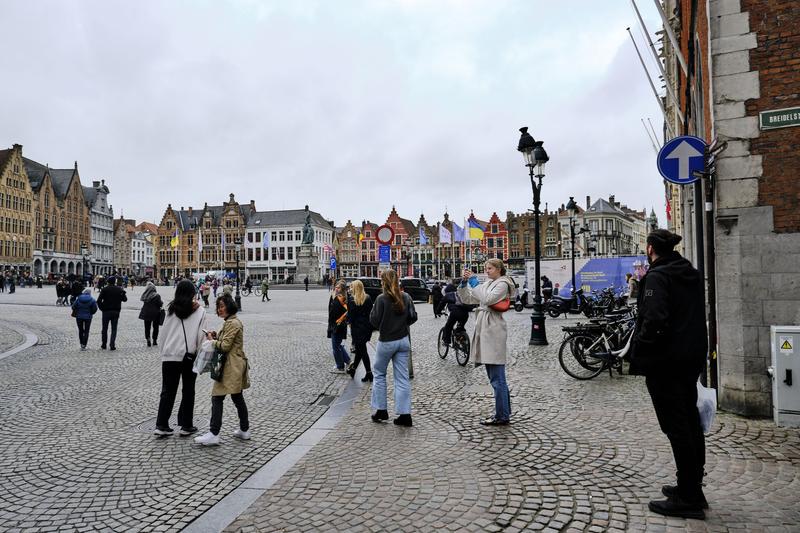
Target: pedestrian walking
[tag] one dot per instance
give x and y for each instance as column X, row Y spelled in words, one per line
column 305, row 282
column 436, row 299
column 669, row 348
column 337, row 327
column 110, row 303
column 205, row 292
column 181, row 337
column 83, row 308
column 264, row 289
column 359, row 306
column 488, row 345
column 151, row 312
column 75, row 289
column 235, row 373
column 392, row 315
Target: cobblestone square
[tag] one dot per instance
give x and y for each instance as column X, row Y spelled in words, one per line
column 78, row 454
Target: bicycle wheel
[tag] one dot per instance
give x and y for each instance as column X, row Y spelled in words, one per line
column 245, row 291
column 576, row 357
column 441, row 346
column 461, row 346
column 257, row 290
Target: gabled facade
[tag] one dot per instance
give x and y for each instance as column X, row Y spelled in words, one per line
column 521, row 237
column 404, row 231
column 123, row 237
column 496, row 236
column 101, row 228
column 369, row 249
column 347, row 250
column 16, row 213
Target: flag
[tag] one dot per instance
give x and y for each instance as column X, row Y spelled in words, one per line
column 327, row 248
column 423, row 239
column 174, row 241
column 223, row 240
column 265, row 242
column 199, row 241
column 458, row 233
column 669, row 211
column 475, row 229
column 444, row 235
column 360, row 236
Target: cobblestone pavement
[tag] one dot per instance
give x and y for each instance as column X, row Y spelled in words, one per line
column 580, row 456
column 77, row 451
column 9, row 339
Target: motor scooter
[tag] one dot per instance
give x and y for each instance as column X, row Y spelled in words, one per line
column 575, row 305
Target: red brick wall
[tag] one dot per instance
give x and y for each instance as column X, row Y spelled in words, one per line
column 702, row 34
column 777, row 59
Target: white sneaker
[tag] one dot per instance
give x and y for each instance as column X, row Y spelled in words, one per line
column 239, row 434
column 209, row 439
column 335, row 370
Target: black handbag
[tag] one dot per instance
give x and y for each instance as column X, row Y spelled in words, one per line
column 187, row 356
column 162, row 315
column 217, row 364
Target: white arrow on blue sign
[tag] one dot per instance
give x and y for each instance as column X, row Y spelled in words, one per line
column 680, row 158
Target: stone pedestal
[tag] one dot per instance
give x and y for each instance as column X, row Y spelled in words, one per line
column 307, row 264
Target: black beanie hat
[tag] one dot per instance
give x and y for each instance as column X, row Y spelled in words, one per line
column 663, row 241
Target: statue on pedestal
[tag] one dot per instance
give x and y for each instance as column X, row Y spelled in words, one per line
column 308, row 232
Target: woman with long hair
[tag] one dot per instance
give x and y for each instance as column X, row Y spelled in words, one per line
column 151, row 309
column 392, row 315
column 489, row 340
column 359, row 307
column 181, row 337
column 337, row 327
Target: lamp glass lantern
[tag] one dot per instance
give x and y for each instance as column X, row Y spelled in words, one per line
column 540, row 158
column 526, row 146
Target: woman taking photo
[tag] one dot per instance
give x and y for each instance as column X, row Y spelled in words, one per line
column 151, row 309
column 359, row 306
column 235, row 376
column 337, row 327
column 489, row 340
column 83, row 308
column 181, row 337
column 392, row 315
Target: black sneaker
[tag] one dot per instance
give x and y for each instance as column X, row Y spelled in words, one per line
column 492, row 421
column 676, row 506
column 380, row 415
column 672, row 490
column 163, row 431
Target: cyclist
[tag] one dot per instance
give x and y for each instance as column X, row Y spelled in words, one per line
column 459, row 312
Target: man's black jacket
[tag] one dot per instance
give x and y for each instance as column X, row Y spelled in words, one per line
column 671, row 338
column 111, row 298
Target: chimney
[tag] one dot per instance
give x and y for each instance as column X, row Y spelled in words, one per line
column 103, row 182
column 252, row 205
column 588, row 201
column 611, row 199
column 190, row 211
column 95, row 184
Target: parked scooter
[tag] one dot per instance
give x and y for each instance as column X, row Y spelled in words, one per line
column 577, row 304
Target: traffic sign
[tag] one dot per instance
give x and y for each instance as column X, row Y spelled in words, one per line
column 333, row 263
column 680, row 158
column 384, row 235
column 384, row 253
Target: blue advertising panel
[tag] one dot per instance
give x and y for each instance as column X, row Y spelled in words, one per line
column 384, row 253
column 680, row 158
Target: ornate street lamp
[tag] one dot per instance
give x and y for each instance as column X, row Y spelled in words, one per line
column 572, row 209
column 535, row 159
column 238, row 297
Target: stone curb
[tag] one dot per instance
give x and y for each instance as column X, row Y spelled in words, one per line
column 30, row 340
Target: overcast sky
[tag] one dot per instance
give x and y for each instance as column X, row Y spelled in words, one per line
column 348, row 106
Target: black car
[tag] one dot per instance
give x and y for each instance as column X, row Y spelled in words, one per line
column 372, row 286
column 416, row 288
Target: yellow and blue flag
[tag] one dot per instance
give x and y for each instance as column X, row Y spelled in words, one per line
column 175, row 240
column 475, row 229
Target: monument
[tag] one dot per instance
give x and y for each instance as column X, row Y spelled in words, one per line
column 307, row 256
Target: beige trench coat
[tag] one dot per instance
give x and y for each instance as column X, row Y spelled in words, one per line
column 489, row 340
column 235, row 375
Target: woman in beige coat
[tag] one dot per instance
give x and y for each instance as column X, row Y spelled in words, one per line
column 235, row 374
column 489, row 340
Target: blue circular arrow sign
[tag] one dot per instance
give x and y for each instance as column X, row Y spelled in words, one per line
column 680, row 158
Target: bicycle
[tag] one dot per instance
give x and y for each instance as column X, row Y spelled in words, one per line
column 459, row 342
column 596, row 347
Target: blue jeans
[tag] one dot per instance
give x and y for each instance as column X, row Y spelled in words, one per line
column 397, row 352
column 340, row 354
column 502, row 398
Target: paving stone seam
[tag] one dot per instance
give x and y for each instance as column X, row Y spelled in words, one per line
column 30, row 340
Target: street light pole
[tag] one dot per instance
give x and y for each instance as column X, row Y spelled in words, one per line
column 535, row 159
column 238, row 297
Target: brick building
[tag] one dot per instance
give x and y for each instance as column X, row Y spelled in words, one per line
column 496, row 236
column 16, row 213
column 744, row 90
column 521, row 245
column 369, row 249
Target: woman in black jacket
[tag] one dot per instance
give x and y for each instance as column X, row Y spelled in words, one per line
column 151, row 311
column 359, row 306
column 337, row 327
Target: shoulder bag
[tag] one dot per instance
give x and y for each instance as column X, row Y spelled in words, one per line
column 216, row 364
column 502, row 306
column 187, row 356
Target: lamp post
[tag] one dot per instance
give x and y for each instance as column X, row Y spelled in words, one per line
column 572, row 209
column 238, row 297
column 85, row 254
column 535, row 159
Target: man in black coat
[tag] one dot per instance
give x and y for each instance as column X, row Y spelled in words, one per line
column 110, row 303
column 669, row 348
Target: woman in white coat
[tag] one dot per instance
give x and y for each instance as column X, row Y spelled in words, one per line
column 489, row 340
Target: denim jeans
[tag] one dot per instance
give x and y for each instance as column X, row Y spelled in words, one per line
column 502, row 398
column 397, row 353
column 340, row 354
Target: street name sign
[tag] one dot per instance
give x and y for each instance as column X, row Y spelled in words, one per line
column 779, row 118
column 680, row 158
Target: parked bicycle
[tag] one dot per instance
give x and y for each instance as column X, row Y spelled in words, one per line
column 459, row 342
column 589, row 349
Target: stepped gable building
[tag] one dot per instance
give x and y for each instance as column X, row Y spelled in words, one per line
column 348, row 251
column 285, row 231
column 101, row 227
column 124, row 229
column 16, row 213
column 202, row 240
column 369, row 249
column 404, row 232
column 61, row 219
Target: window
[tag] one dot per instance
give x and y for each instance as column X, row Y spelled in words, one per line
column 289, row 235
column 297, row 236
column 550, row 223
column 494, row 228
column 490, row 242
column 499, row 243
column 290, row 253
column 281, row 235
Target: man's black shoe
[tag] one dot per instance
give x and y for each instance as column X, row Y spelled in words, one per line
column 380, row 414
column 675, row 506
column 672, row 490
